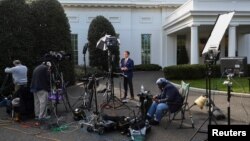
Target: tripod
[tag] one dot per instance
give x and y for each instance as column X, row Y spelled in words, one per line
column 209, row 64
column 110, row 87
column 58, row 85
column 85, row 99
column 4, row 83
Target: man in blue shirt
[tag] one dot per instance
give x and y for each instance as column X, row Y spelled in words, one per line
column 20, row 98
column 127, row 66
column 19, row 74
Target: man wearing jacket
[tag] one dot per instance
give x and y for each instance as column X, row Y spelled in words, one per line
column 127, row 66
column 40, row 86
column 168, row 100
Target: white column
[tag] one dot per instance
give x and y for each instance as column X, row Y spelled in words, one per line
column 169, row 51
column 232, row 41
column 194, row 53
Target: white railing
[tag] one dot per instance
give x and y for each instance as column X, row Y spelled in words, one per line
column 125, row 1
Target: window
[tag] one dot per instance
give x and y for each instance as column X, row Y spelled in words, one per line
column 74, row 44
column 182, row 56
column 145, row 48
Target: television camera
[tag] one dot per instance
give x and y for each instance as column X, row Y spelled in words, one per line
column 56, row 56
column 112, row 41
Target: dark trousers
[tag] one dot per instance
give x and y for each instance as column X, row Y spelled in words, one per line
column 128, row 82
column 26, row 106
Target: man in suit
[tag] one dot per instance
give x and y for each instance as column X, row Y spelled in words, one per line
column 127, row 66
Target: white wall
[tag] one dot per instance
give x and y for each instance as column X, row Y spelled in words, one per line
column 146, row 21
column 130, row 23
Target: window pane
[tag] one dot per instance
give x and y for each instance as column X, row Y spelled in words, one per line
column 145, row 48
column 74, row 44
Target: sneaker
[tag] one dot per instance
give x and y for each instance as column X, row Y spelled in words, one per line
column 17, row 119
column 37, row 123
column 45, row 118
column 154, row 122
column 124, row 97
column 125, row 101
column 132, row 98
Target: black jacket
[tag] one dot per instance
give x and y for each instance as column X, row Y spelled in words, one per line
column 40, row 79
column 171, row 96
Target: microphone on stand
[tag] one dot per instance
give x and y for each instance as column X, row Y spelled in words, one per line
column 121, row 74
column 85, row 48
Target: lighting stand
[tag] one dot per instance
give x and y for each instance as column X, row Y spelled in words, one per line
column 229, row 84
column 86, row 102
column 111, row 97
column 209, row 62
column 85, row 68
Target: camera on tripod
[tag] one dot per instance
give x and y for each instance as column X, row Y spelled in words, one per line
column 112, row 41
column 57, row 56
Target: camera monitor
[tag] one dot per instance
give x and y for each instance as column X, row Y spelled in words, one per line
column 235, row 65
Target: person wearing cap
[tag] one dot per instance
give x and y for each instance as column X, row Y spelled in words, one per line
column 127, row 66
column 168, row 100
column 40, row 86
column 19, row 74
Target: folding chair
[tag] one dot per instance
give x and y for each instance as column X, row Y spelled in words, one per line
column 184, row 106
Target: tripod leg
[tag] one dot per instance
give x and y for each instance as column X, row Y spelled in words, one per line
column 90, row 101
column 198, row 130
column 64, row 103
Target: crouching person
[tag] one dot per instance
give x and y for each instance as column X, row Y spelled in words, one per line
column 168, row 100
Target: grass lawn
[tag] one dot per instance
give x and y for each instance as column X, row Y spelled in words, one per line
column 239, row 84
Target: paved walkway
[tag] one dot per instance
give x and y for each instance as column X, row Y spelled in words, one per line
column 11, row 131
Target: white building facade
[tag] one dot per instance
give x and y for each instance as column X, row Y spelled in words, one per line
column 151, row 29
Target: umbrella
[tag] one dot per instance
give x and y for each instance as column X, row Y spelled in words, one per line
column 107, row 41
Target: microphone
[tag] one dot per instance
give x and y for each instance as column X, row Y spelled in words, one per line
column 121, row 74
column 85, row 48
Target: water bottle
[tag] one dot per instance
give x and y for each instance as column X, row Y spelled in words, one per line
column 142, row 89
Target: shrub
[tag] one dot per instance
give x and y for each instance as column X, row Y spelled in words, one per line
column 185, row 72
column 79, row 72
column 16, row 38
column 97, row 29
column 147, row 67
column 52, row 32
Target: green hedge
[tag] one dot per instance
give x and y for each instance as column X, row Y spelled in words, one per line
column 79, row 72
column 185, row 72
column 147, row 67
